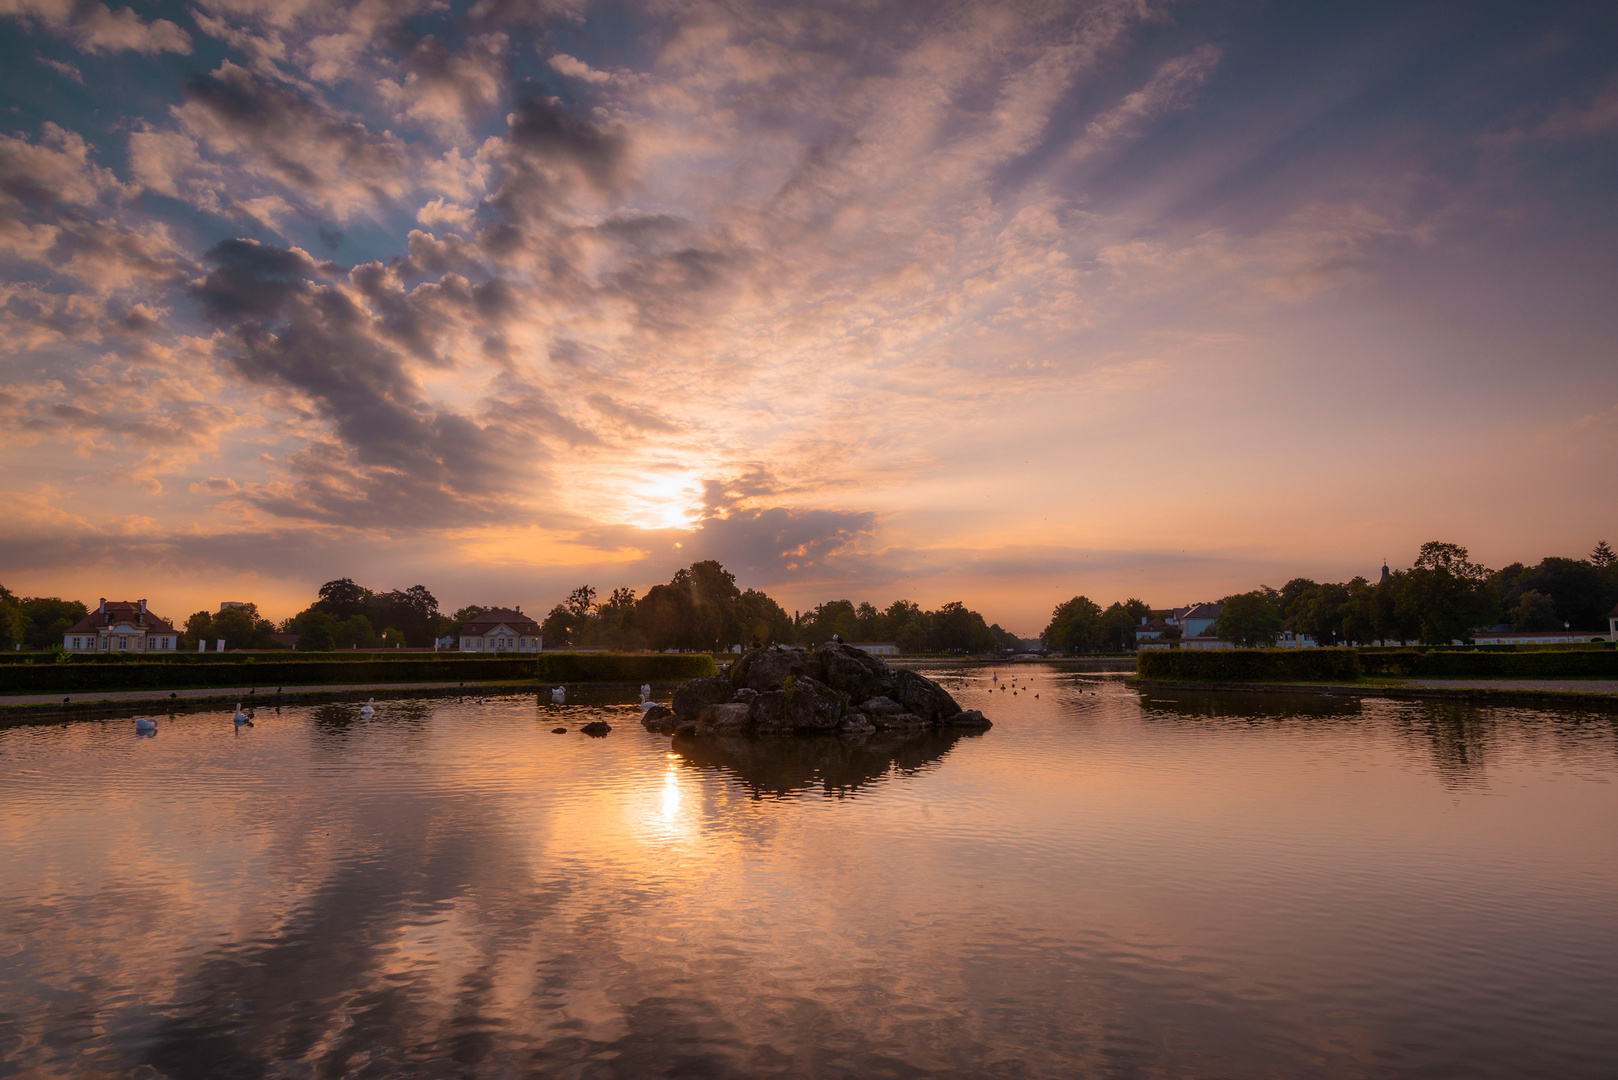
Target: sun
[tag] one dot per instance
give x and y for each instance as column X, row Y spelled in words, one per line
column 664, row 501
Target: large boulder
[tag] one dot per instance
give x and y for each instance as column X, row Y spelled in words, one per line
column 857, row 674
column 769, row 669
column 691, row 697
column 770, row 712
column 735, row 717
column 811, row 705
column 925, row 698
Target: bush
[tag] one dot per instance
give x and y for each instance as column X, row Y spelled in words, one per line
column 1564, row 664
column 89, row 678
column 1251, row 665
column 622, row 667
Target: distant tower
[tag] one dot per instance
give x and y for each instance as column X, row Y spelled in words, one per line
column 1384, row 571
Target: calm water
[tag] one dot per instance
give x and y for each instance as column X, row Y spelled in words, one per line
column 1102, row 885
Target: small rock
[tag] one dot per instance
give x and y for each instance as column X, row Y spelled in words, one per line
column 659, row 718
column 899, row 720
column 596, row 727
column 855, row 724
column 969, row 718
column 558, row 731
column 882, row 706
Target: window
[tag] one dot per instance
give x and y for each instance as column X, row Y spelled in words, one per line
column 123, row 643
column 75, row 643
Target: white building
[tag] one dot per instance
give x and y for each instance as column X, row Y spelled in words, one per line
column 501, row 630
column 121, row 626
column 876, row 648
column 1538, row 637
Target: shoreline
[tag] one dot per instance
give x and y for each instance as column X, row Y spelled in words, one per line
column 29, row 708
column 1481, row 695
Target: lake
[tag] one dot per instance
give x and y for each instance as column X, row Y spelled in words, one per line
column 1107, row 883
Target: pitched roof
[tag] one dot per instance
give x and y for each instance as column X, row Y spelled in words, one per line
column 122, row 611
column 1204, row 611
column 496, row 617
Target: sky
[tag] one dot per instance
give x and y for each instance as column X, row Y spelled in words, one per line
column 990, row 302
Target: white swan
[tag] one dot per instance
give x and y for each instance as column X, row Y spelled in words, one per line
column 145, row 725
column 366, row 710
column 558, row 695
column 645, row 693
column 241, row 718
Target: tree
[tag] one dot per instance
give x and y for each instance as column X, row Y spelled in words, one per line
column 197, row 628
column 355, row 633
column 1249, row 619
column 1075, row 626
column 581, row 602
column 11, row 621
column 615, row 620
column 1447, row 594
column 315, row 632
column 342, row 599
column 1534, row 611
column 47, row 618
column 557, row 629
column 763, row 621
column 1602, row 556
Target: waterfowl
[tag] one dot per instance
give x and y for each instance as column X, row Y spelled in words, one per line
column 145, row 725
column 241, row 718
column 558, row 695
column 367, row 711
column 645, row 693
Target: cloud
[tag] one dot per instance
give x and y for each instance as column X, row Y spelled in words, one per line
column 96, row 28
column 336, row 165
column 1171, row 88
column 64, row 69
column 577, row 69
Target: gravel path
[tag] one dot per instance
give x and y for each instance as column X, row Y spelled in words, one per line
column 1581, row 686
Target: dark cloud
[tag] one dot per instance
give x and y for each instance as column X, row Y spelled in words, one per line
column 547, row 152
column 338, row 164
column 781, row 543
column 396, row 456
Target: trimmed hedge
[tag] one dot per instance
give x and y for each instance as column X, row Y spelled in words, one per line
column 244, row 656
column 622, row 667
column 1568, row 664
column 1250, row 665
column 81, row 678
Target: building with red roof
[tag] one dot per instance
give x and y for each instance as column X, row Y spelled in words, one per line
column 121, row 626
column 501, row 630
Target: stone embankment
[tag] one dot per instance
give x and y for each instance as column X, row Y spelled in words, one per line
column 834, row 690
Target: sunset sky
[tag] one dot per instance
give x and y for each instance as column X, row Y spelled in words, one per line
column 990, row 302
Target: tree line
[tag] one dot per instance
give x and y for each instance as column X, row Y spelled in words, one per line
column 702, row 608
column 1443, row 597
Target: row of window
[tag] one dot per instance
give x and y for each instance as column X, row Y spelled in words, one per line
column 156, row 643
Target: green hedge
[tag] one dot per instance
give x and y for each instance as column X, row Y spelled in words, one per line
column 243, row 656
column 622, row 667
column 1250, row 665
column 1567, row 664
column 84, row 678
